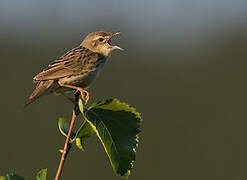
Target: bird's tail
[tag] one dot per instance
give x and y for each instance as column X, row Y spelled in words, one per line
column 43, row 87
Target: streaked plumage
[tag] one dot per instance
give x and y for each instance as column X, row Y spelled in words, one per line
column 78, row 67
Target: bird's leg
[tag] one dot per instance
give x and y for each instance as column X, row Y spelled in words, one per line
column 69, row 98
column 84, row 92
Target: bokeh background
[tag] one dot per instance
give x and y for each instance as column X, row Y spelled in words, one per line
column 184, row 68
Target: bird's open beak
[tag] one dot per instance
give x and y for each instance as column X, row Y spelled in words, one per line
column 115, row 47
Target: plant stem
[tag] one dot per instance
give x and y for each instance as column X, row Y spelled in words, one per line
column 66, row 148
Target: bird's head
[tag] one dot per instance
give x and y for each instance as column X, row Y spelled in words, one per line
column 100, row 42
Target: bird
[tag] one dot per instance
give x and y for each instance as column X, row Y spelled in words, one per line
column 76, row 69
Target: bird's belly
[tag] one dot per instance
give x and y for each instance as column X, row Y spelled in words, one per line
column 81, row 80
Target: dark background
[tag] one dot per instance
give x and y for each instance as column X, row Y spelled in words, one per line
column 183, row 68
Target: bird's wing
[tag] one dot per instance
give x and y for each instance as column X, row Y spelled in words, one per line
column 73, row 62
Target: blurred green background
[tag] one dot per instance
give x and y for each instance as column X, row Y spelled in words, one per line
column 183, row 68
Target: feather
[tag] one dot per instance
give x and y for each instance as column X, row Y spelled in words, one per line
column 43, row 87
column 72, row 63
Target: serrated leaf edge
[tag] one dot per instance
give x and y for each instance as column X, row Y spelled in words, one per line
column 126, row 107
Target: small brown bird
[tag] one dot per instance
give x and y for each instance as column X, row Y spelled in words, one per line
column 76, row 69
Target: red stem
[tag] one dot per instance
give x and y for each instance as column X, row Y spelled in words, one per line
column 66, row 148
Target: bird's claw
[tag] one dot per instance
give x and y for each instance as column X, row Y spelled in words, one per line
column 85, row 96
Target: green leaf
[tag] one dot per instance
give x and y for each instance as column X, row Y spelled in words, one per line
column 1, row 178
column 63, row 126
column 117, row 126
column 83, row 132
column 13, row 177
column 41, row 175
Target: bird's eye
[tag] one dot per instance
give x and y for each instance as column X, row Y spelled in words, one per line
column 101, row 39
